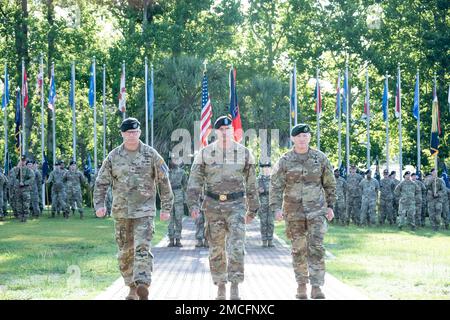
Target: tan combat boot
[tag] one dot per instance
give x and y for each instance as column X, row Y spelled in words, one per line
column 301, row 292
column 316, row 293
column 221, row 292
column 270, row 244
column 205, row 243
column 199, row 243
column 142, row 291
column 171, row 243
column 178, row 243
column 132, row 295
column 264, row 243
column 234, row 291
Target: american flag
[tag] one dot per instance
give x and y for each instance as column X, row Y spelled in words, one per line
column 318, row 106
column 206, row 113
column 122, row 92
column 25, row 88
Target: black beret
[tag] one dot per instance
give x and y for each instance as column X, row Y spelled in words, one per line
column 413, row 174
column 265, row 164
column 58, row 162
column 130, row 124
column 432, row 170
column 73, row 162
column 392, row 173
column 406, row 172
column 385, row 171
column 368, row 171
column 29, row 161
column 300, row 128
column 23, row 157
column 222, row 121
column 336, row 170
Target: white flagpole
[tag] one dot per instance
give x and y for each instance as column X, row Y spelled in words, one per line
column 291, row 87
column 153, row 107
column 125, row 84
column 41, row 71
column 22, row 111
column 317, row 107
column 339, row 122
column 347, row 119
column 146, row 100
column 54, row 118
column 387, row 122
column 5, row 120
column 95, row 115
column 400, row 159
column 295, row 88
column 104, row 111
column 74, row 117
column 418, row 124
column 368, row 119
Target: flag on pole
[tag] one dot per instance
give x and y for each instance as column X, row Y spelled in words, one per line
column 91, row 87
column 397, row 97
column 122, row 93
column 293, row 96
column 5, row 96
column 25, row 88
column 435, row 124
column 206, row 113
column 151, row 96
column 345, row 95
column 445, row 175
column 448, row 99
column 366, row 101
column 18, row 120
column 343, row 170
column 385, row 102
column 52, row 91
column 7, row 164
column 377, row 170
column 234, row 107
column 40, row 81
column 72, row 92
column 45, row 169
column 318, row 95
column 416, row 99
column 88, row 169
column 338, row 97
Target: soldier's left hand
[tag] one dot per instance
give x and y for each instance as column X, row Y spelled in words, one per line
column 164, row 216
column 330, row 214
column 248, row 219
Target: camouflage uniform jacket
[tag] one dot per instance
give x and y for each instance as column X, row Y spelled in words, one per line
column 302, row 185
column 57, row 178
column 223, row 172
column 369, row 188
column 353, row 187
column 341, row 189
column 436, row 190
column 177, row 178
column 3, row 181
column 134, row 183
column 27, row 177
column 387, row 187
column 74, row 180
column 406, row 191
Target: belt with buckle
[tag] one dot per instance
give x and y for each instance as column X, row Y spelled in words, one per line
column 176, row 187
column 225, row 197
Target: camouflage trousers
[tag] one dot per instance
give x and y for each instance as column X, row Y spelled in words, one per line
column 59, row 202
column 407, row 211
column 340, row 212
column 200, row 226
column 435, row 212
column 368, row 211
column 74, row 198
column 308, row 251
column 418, row 214
column 108, row 201
column 35, row 203
column 266, row 219
column 386, row 210
column 133, row 237
column 176, row 218
column 41, row 203
column 2, row 211
column 225, row 232
column 23, row 201
column 354, row 207
column 445, row 212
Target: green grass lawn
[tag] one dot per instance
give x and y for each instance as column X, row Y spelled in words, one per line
column 385, row 263
column 44, row 258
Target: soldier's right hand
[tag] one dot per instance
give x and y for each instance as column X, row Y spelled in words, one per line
column 195, row 213
column 164, row 216
column 279, row 215
column 100, row 213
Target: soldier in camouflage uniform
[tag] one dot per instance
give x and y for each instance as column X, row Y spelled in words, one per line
column 12, row 193
column 266, row 216
column 56, row 177
column 354, row 195
column 386, row 208
column 34, row 192
column 73, row 180
column 369, row 189
column 303, row 191
column 178, row 182
column 135, row 171
column 225, row 169
column 407, row 191
column 445, row 208
column 436, row 192
column 419, row 200
column 22, row 184
column 340, row 209
column 108, row 201
column 3, row 183
column 392, row 175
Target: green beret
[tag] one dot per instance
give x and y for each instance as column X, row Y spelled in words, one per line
column 129, row 124
column 300, row 128
column 222, row 121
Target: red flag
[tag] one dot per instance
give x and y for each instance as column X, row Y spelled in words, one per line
column 234, row 107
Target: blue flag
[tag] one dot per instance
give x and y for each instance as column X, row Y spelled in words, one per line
column 445, row 176
column 385, row 102
column 45, row 169
column 18, row 119
column 150, row 96
column 5, row 96
column 416, row 99
column 88, row 168
column 72, row 92
column 91, row 87
column 343, row 171
column 345, row 96
column 52, row 91
column 6, row 168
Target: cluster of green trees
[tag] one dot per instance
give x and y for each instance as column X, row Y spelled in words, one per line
column 261, row 38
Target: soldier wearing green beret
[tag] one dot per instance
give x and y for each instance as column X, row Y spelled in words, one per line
column 303, row 192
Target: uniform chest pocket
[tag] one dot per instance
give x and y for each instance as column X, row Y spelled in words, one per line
column 294, row 176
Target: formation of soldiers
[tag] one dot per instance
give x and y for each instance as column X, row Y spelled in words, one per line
column 22, row 189
column 365, row 201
